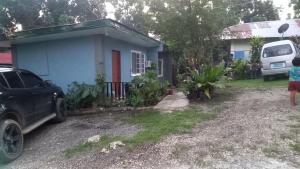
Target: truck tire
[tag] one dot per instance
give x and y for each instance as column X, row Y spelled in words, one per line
column 11, row 140
column 61, row 114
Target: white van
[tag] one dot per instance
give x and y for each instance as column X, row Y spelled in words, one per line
column 276, row 57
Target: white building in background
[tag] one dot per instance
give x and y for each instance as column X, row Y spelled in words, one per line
column 239, row 35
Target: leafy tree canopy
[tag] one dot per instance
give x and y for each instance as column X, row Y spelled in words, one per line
column 190, row 27
column 296, row 4
column 132, row 13
column 38, row 13
column 254, row 11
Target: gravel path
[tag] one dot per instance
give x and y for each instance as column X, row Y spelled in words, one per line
column 246, row 127
column 43, row 148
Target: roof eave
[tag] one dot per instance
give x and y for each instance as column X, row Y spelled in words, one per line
column 82, row 29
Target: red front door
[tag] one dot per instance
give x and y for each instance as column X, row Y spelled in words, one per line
column 116, row 72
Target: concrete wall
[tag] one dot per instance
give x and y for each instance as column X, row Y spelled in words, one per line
column 62, row 61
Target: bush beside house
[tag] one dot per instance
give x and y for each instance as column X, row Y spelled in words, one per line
column 144, row 90
column 85, row 95
column 202, row 83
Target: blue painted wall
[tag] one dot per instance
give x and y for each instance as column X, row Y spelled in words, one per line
column 68, row 60
column 125, row 49
column 62, row 61
column 152, row 54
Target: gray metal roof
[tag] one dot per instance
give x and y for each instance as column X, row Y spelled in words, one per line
column 105, row 27
column 266, row 29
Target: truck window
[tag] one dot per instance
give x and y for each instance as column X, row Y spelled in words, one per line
column 13, row 79
column 2, row 81
column 278, row 50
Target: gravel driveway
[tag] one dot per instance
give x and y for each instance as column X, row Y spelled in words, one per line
column 247, row 125
column 43, row 148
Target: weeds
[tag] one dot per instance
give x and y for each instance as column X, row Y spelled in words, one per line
column 155, row 125
column 104, row 142
column 271, row 151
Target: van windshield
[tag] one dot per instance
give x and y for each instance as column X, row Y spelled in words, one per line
column 278, row 50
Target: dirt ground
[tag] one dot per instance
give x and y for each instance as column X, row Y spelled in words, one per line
column 248, row 133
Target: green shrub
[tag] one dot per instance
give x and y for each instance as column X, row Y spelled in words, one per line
column 145, row 90
column 85, row 95
column 203, row 83
column 240, row 69
column 256, row 46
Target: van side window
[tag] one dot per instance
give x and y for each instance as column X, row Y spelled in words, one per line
column 278, row 50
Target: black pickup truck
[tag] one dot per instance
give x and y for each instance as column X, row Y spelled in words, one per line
column 26, row 102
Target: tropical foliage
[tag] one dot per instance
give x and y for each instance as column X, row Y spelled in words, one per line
column 239, row 69
column 85, row 95
column 204, row 82
column 256, row 46
column 146, row 90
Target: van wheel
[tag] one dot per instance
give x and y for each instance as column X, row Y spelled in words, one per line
column 60, row 111
column 11, row 140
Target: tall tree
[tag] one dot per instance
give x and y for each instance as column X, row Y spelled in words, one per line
column 37, row 13
column 190, row 27
column 25, row 11
column 253, row 11
column 296, row 6
column 132, row 13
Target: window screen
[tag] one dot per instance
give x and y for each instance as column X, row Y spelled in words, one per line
column 30, row 80
column 13, row 79
column 138, row 63
column 2, row 81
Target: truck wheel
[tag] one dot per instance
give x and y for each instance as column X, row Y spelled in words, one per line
column 61, row 114
column 11, row 140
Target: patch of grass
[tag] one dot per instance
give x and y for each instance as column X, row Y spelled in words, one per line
column 296, row 126
column 85, row 147
column 286, row 136
column 271, row 151
column 258, row 83
column 155, row 126
column 295, row 147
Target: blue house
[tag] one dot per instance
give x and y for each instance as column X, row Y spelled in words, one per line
column 78, row 52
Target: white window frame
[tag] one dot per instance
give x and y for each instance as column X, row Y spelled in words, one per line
column 161, row 67
column 145, row 58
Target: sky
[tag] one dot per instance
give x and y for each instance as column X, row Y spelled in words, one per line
column 285, row 9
